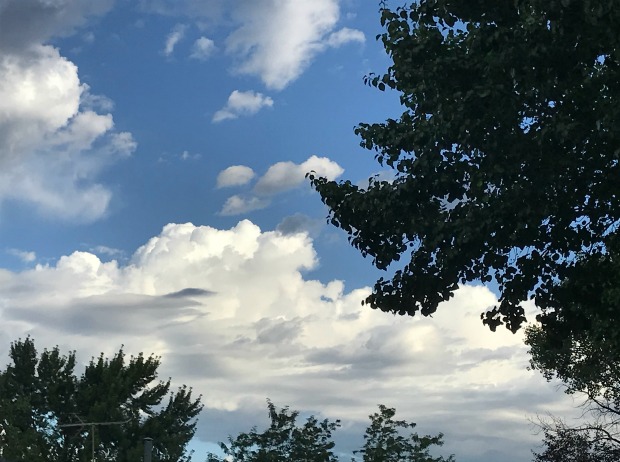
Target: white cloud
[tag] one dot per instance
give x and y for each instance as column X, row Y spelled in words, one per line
column 280, row 177
column 202, row 49
column 235, row 175
column 242, row 103
column 233, row 315
column 51, row 147
column 175, row 36
column 122, row 143
column 55, row 135
column 274, row 40
column 43, row 88
column 344, row 36
column 277, row 40
column 236, row 205
column 283, row 176
column 23, row 255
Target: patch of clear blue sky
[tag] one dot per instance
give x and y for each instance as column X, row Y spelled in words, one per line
column 167, row 104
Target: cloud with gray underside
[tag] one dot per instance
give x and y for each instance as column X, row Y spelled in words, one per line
column 217, row 303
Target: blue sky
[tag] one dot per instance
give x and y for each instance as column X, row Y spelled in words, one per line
column 152, row 146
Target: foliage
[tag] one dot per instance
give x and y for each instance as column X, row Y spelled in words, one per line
column 283, row 441
column 505, row 157
column 578, row 342
column 286, row 441
column 41, row 398
column 564, row 444
column 383, row 441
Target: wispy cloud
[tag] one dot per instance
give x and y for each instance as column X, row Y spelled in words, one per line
column 186, row 155
column 344, row 36
column 175, row 36
column 107, row 251
column 24, row 255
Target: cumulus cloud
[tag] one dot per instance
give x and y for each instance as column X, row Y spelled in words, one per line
column 242, row 103
column 235, row 175
column 56, row 136
column 280, row 177
column 52, row 143
column 236, row 205
column 283, row 176
column 202, row 49
column 175, row 36
column 235, row 315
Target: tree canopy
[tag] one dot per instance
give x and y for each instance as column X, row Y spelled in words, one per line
column 43, row 403
column 578, row 342
column 285, row 440
column 577, row 339
column 384, row 440
column 582, row 444
column 505, row 158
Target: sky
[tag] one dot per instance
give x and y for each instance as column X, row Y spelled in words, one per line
column 153, row 195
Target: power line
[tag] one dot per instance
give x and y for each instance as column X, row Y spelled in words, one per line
column 92, row 426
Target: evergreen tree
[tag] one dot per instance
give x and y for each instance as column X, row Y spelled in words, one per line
column 43, row 404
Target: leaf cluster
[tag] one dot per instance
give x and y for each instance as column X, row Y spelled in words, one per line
column 505, row 156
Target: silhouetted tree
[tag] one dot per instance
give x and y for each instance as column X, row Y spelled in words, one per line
column 40, row 394
column 284, row 440
column 505, row 159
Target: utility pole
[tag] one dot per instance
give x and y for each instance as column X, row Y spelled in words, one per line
column 92, row 426
column 148, row 449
